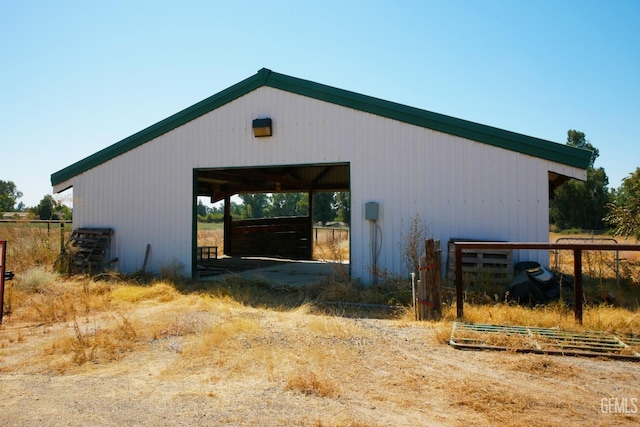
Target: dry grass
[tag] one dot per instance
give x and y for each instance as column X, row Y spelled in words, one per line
column 544, row 366
column 43, row 296
column 211, row 237
column 213, row 329
column 481, row 398
column 131, row 293
column 599, row 270
column 239, row 354
column 309, row 382
column 31, row 245
column 313, row 369
column 331, row 245
column 99, row 343
column 604, row 318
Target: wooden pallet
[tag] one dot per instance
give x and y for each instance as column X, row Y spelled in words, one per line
column 496, row 264
column 89, row 247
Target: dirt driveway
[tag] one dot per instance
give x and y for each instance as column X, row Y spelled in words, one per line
column 299, row 369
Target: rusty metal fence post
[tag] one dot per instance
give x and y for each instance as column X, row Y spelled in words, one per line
column 577, row 285
column 3, row 259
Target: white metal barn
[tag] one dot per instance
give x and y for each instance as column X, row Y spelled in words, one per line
column 463, row 179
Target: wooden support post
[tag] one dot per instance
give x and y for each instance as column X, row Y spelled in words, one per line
column 577, row 285
column 62, row 237
column 146, row 258
column 434, row 282
column 421, row 290
column 459, row 288
column 227, row 226
column 429, row 292
column 309, row 253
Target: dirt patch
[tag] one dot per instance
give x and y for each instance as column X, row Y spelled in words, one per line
column 196, row 363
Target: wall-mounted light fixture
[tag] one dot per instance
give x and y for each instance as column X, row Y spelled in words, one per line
column 262, row 127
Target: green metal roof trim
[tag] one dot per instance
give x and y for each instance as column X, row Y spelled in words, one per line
column 486, row 134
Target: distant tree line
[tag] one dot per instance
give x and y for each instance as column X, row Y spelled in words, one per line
column 9, row 194
column 624, row 211
column 327, row 207
column 591, row 204
column 48, row 208
column 581, row 204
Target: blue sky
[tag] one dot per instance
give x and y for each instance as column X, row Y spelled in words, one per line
column 78, row 76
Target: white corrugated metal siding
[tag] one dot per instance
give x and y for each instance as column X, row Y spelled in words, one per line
column 461, row 188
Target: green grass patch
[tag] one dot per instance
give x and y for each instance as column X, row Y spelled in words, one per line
column 210, row 226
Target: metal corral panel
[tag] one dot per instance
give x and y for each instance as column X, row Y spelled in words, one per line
column 461, row 188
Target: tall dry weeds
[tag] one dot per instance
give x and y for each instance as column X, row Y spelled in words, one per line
column 40, row 295
column 334, row 249
column 32, row 245
column 211, row 237
column 310, row 382
column 608, row 276
column 98, row 341
column 412, row 242
column 606, row 318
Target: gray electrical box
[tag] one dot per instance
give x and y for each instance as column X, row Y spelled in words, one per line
column 371, row 211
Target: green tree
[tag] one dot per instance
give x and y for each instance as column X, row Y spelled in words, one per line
column 323, row 207
column 343, row 207
column 578, row 204
column 63, row 212
column 50, row 208
column 286, row 204
column 46, row 207
column 624, row 212
column 578, row 139
column 201, row 209
column 254, row 204
column 214, row 216
column 8, row 196
column 303, row 203
column 238, row 210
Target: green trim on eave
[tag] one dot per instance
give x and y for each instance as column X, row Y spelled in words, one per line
column 486, row 134
column 203, row 107
column 536, row 147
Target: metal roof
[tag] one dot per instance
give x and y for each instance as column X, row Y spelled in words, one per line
column 477, row 132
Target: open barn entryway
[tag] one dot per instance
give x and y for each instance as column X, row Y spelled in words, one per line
column 270, row 214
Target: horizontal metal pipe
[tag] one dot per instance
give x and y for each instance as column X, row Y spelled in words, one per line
column 616, row 356
column 542, row 246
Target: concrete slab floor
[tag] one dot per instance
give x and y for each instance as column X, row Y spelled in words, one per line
column 275, row 271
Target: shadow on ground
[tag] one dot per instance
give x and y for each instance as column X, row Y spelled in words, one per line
column 286, row 284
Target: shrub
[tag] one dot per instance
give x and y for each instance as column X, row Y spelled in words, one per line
column 37, row 280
